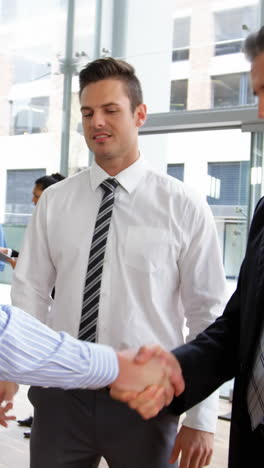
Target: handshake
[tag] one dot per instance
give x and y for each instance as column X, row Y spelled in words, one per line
column 148, row 379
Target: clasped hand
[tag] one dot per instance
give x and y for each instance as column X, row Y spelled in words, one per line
column 148, row 379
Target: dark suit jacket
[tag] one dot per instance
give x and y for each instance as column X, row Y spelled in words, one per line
column 226, row 349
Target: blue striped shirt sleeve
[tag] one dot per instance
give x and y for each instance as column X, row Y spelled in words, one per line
column 31, row 353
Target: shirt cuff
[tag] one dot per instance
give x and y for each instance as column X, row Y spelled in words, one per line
column 104, row 366
column 203, row 416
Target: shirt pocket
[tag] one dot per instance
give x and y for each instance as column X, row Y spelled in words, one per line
column 147, row 249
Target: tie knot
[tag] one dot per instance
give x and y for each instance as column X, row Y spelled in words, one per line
column 109, row 185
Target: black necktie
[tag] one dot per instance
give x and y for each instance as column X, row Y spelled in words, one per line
column 91, row 295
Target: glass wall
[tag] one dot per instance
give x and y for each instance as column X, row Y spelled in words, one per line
column 43, row 46
column 188, row 62
column 31, row 39
column 208, row 65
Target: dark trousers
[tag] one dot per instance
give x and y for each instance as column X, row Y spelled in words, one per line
column 74, row 428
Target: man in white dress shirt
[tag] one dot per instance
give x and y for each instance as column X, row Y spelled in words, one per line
column 162, row 265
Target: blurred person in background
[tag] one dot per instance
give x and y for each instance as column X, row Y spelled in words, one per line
column 44, row 182
column 40, row 185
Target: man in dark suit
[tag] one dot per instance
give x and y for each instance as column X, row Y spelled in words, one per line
column 230, row 347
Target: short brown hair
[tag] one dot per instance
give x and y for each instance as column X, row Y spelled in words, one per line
column 108, row 67
column 254, row 44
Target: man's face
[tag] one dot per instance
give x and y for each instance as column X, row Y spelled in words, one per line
column 110, row 127
column 257, row 77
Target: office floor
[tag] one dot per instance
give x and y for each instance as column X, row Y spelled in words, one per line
column 14, row 448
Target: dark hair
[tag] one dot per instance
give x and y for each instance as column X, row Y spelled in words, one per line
column 45, row 181
column 109, row 67
column 254, row 44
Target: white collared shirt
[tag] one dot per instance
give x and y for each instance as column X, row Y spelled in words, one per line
column 162, row 262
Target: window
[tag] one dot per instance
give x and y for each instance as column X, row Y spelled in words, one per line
column 235, row 238
column 30, row 116
column 19, row 193
column 181, row 39
column 7, row 10
column 232, row 90
column 28, row 69
column 178, row 100
column 228, row 192
column 231, row 26
column 201, row 44
column 228, row 183
column 176, row 170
